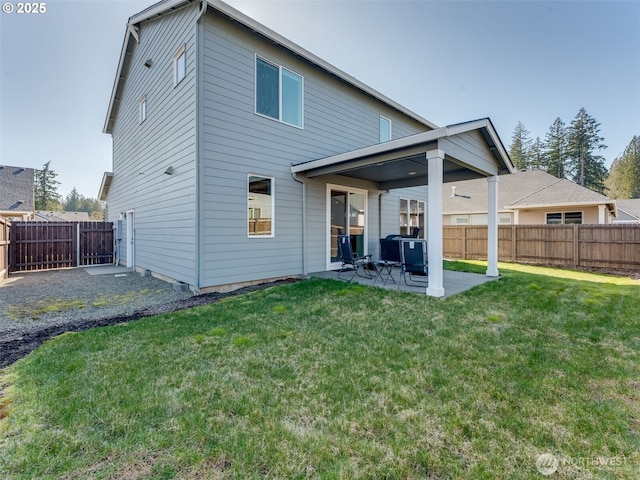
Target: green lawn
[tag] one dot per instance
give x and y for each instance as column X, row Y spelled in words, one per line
column 324, row 379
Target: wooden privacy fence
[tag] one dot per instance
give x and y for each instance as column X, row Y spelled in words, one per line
column 4, row 248
column 49, row 245
column 592, row 246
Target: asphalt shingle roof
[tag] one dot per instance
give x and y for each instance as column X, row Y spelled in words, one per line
column 518, row 190
column 16, row 189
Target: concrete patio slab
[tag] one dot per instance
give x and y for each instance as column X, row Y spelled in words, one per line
column 454, row 282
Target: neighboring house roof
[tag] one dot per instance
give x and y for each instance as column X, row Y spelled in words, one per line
column 16, row 190
column 168, row 6
column 629, row 209
column 58, row 216
column 523, row 189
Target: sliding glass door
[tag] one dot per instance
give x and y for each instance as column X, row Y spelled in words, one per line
column 346, row 215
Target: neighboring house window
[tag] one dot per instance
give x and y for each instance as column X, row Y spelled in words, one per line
column 504, row 218
column 479, row 219
column 142, row 109
column 385, row 129
column 179, row 65
column 411, row 216
column 573, row 218
column 261, row 206
column 568, row 218
column 278, row 93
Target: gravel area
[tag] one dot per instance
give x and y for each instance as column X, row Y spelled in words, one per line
column 35, row 306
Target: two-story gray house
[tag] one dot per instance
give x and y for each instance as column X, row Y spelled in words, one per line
column 238, row 156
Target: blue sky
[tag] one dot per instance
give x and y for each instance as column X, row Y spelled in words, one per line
column 453, row 61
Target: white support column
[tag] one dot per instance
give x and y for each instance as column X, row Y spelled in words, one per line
column 435, row 160
column 492, row 225
column 601, row 214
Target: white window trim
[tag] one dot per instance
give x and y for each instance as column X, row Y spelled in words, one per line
column 390, row 129
column 327, row 229
column 255, row 91
column 182, row 50
column 273, row 205
column 142, row 109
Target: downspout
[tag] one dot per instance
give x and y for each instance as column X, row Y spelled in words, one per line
column 304, row 220
column 386, row 192
column 198, row 233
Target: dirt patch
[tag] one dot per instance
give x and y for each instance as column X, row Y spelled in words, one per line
column 20, row 344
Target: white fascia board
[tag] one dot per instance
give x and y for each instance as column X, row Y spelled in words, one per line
column 593, row 203
column 105, row 185
column 116, row 82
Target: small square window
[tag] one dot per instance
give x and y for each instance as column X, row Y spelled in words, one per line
column 142, row 109
column 180, row 65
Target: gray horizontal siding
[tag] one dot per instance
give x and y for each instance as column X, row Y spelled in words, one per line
column 236, row 142
column 164, row 205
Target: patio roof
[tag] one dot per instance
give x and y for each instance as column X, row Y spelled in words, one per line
column 472, row 150
column 456, row 152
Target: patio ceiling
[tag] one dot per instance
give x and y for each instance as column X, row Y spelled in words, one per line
column 472, row 150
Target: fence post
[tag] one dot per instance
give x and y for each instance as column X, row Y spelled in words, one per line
column 464, row 243
column 77, row 244
column 576, row 246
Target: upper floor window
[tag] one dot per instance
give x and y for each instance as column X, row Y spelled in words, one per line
column 278, row 93
column 385, row 129
column 142, row 109
column 179, row 65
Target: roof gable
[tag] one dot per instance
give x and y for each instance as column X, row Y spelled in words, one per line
column 16, row 189
column 170, row 6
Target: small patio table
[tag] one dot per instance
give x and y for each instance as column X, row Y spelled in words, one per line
column 385, row 270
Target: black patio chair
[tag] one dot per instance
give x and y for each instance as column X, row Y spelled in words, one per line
column 413, row 261
column 349, row 259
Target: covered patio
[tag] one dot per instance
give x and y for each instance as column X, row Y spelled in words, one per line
column 457, row 152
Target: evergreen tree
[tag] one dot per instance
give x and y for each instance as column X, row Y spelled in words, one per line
column 537, row 159
column 72, row 201
column 520, row 144
column 76, row 202
column 624, row 177
column 555, row 149
column 583, row 140
column 46, row 189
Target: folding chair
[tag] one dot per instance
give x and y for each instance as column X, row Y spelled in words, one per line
column 413, row 261
column 348, row 258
